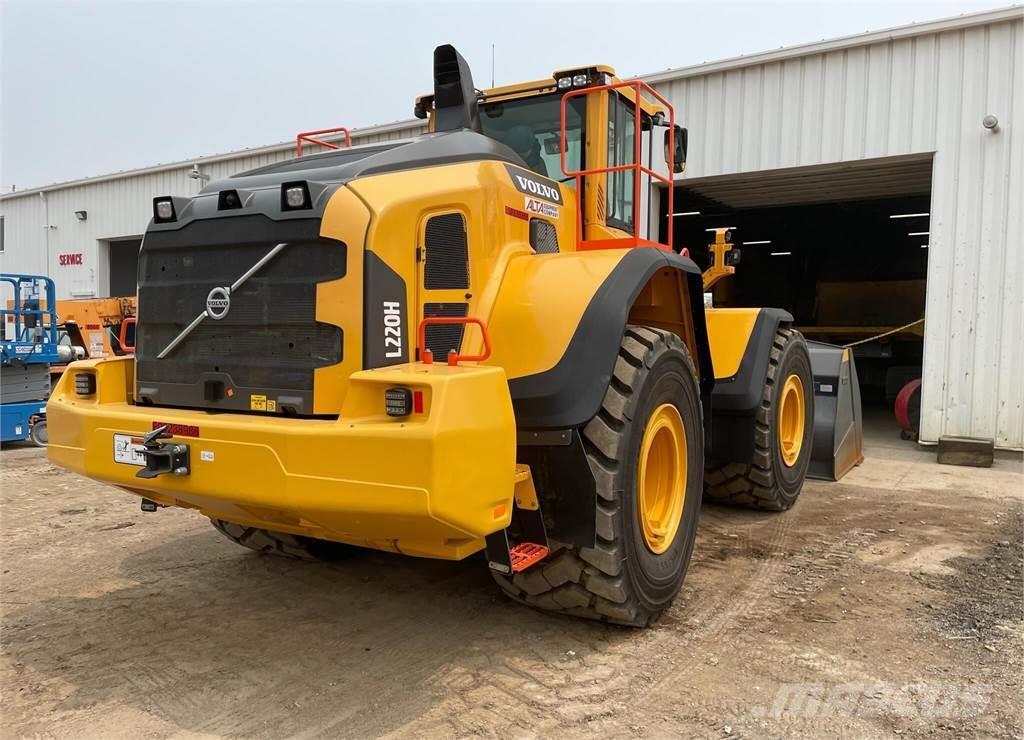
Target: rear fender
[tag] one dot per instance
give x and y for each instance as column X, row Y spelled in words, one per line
column 741, row 342
column 557, row 328
column 559, row 320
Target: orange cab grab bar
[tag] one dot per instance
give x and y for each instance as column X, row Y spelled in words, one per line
column 427, row 357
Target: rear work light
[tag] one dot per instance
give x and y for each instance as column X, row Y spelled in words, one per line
column 295, row 196
column 228, row 200
column 85, row 384
column 163, row 210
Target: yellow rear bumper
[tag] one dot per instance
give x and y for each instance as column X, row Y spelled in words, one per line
column 431, row 484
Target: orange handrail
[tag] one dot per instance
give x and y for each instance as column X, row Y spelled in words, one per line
column 427, row 357
column 639, row 86
column 308, row 136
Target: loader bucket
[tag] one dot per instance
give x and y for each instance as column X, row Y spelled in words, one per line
column 838, row 423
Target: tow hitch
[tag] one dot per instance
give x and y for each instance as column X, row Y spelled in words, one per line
column 163, row 458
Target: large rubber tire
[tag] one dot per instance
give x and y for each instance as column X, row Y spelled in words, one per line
column 620, row 579
column 766, row 482
column 269, row 542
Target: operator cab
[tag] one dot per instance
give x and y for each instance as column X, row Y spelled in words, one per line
column 600, row 126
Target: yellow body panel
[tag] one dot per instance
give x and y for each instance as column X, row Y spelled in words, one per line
column 432, row 484
column 340, row 302
column 729, row 332
column 540, row 305
column 402, row 202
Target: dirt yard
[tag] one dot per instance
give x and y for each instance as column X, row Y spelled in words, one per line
column 890, row 604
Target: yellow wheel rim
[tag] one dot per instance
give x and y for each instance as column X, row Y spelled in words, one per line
column 661, row 483
column 791, row 420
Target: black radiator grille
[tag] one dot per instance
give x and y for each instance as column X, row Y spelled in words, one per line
column 442, row 338
column 543, row 237
column 269, row 340
column 447, row 253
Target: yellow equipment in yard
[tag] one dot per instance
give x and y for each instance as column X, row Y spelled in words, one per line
column 474, row 340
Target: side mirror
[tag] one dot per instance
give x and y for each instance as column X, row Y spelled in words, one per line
column 679, row 155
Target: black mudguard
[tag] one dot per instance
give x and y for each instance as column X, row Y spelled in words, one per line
column 551, row 407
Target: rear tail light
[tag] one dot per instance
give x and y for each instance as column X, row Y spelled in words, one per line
column 398, row 401
column 85, row 384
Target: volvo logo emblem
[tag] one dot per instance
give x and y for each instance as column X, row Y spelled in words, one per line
column 218, row 303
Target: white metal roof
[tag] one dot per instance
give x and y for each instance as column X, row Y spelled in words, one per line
column 868, row 37
column 357, row 133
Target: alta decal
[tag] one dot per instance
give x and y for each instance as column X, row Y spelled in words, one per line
column 530, row 183
column 541, row 208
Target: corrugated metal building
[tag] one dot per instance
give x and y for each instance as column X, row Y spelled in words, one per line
column 891, row 117
column 42, row 224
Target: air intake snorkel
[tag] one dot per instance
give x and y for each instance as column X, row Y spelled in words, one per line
column 455, row 104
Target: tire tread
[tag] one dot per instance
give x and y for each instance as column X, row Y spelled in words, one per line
column 597, row 587
column 753, row 484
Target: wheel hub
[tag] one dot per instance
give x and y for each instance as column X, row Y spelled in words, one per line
column 791, row 420
column 661, row 480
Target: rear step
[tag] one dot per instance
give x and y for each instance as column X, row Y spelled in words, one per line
column 526, row 554
column 506, row 558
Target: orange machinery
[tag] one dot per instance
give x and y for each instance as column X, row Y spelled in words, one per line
column 95, row 323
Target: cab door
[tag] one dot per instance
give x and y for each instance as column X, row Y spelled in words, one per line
column 611, row 142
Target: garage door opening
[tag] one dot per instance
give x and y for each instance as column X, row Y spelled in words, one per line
column 124, row 267
column 843, row 247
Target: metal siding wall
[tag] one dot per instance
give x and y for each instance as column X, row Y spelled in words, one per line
column 892, row 98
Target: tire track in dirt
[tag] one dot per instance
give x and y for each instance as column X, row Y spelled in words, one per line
column 607, row 675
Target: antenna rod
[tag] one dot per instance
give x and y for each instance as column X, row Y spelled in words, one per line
column 492, row 65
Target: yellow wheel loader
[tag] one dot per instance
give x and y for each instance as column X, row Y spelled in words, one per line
column 477, row 340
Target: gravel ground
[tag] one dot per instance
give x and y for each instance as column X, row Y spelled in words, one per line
column 889, row 604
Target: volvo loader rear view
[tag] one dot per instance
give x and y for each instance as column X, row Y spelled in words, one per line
column 479, row 339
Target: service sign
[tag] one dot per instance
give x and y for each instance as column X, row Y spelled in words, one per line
column 66, row 260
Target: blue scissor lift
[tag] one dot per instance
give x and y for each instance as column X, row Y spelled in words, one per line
column 29, row 345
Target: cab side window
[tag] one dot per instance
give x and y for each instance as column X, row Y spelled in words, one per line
column 621, row 150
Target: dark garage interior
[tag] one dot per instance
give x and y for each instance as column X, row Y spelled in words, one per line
column 124, row 267
column 842, row 247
